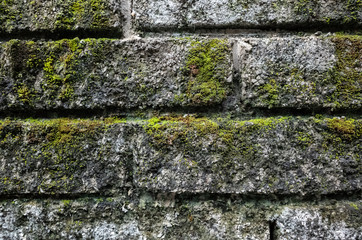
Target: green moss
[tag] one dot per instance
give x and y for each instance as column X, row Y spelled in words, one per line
column 304, row 139
column 66, row 203
column 353, row 7
column 341, row 133
column 354, row 206
column 82, row 12
column 346, row 75
column 342, row 82
column 271, row 89
column 59, row 65
column 228, row 141
column 25, row 95
column 342, row 126
column 9, row 15
column 206, row 71
column 309, row 8
column 306, row 7
column 58, row 144
column 287, row 81
column 61, row 68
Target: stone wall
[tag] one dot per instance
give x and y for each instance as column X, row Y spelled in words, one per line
column 180, row 119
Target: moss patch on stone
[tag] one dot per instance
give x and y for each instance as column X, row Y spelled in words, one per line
column 60, row 146
column 309, row 9
column 84, row 12
column 337, row 88
column 63, row 15
column 228, row 139
column 306, row 7
column 9, row 14
column 206, row 71
column 353, row 7
column 59, row 64
column 347, row 74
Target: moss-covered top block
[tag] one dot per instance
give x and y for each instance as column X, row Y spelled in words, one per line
column 169, row 14
column 101, row 73
column 60, row 16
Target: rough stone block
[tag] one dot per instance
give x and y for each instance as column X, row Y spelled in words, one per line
column 63, row 156
column 171, row 14
column 167, row 216
column 339, row 221
column 42, row 16
column 282, row 156
column 129, row 218
column 301, row 72
column 106, row 73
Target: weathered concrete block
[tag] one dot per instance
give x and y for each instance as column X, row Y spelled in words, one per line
column 301, row 72
column 147, row 217
column 169, row 14
column 84, row 218
column 261, row 156
column 164, row 216
column 63, row 156
column 101, row 73
column 339, row 221
column 61, row 16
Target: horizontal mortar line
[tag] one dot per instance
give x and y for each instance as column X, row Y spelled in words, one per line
column 212, row 32
column 28, row 35
column 341, row 195
column 32, row 196
column 283, row 199
column 267, row 29
column 197, row 112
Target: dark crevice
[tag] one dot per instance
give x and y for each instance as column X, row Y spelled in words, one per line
column 280, row 199
column 225, row 31
column 306, row 111
column 230, row 29
column 60, row 34
column 62, row 196
column 201, row 111
column 277, row 198
column 272, row 229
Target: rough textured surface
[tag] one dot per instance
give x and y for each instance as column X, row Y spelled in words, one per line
column 280, row 72
column 170, row 14
column 157, row 216
column 341, row 221
column 307, row 73
column 260, row 156
column 63, row 156
column 211, row 119
column 61, row 16
column 100, row 73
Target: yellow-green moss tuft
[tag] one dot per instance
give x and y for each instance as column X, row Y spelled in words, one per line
column 206, row 70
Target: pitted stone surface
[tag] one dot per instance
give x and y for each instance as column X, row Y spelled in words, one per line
column 59, row 16
column 261, row 156
column 181, row 136
column 63, row 156
column 328, row 222
column 106, row 73
column 166, row 216
column 173, row 14
column 278, row 72
column 309, row 72
column 280, row 156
